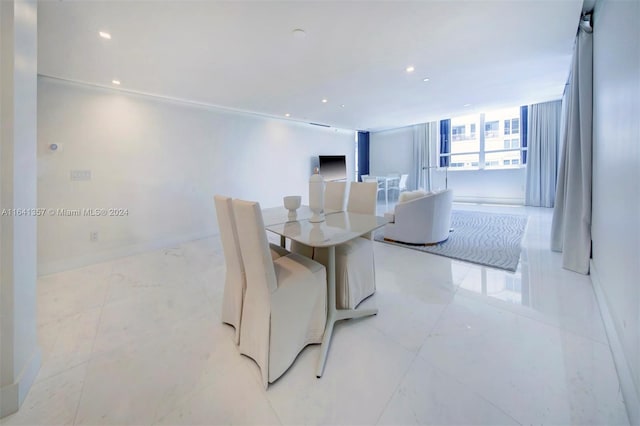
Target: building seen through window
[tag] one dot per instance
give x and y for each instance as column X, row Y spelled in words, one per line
column 498, row 146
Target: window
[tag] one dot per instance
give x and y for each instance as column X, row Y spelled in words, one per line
column 458, row 133
column 499, row 146
column 465, row 148
column 491, row 129
column 515, row 125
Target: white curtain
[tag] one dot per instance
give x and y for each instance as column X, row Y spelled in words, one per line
column 571, row 226
column 542, row 153
column 425, row 140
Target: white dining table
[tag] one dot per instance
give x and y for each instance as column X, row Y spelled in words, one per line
column 276, row 215
column 337, row 228
column 385, row 180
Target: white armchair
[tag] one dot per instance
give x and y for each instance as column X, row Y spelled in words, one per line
column 420, row 218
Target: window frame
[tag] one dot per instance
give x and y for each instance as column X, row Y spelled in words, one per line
column 507, row 131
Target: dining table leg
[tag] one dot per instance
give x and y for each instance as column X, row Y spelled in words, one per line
column 331, row 308
column 334, row 315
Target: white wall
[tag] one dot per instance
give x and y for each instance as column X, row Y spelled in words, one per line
column 391, row 151
column 616, row 184
column 163, row 161
column 19, row 353
column 488, row 186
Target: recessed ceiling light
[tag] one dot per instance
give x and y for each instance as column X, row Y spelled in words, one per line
column 342, row 106
column 116, row 82
column 104, row 34
column 287, row 115
column 324, row 101
column 299, row 33
column 425, row 79
column 466, row 105
column 410, row 68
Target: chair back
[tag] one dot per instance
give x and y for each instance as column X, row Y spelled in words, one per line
column 363, row 197
column 234, row 282
column 378, row 182
column 261, row 283
column 403, row 182
column 334, row 195
column 229, row 235
column 254, row 247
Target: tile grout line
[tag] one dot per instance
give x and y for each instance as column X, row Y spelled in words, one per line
column 537, row 320
column 395, row 390
column 473, row 391
column 564, row 329
column 444, row 372
column 93, row 343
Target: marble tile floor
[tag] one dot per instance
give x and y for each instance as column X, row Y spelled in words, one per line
column 138, row 341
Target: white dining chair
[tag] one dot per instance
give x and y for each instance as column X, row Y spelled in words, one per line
column 381, row 186
column 399, row 184
column 285, row 303
column 234, row 284
column 403, row 182
column 355, row 267
column 334, row 198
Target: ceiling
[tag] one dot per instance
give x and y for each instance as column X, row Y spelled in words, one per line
column 244, row 56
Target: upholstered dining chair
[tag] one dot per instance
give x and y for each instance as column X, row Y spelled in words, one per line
column 355, row 268
column 285, row 304
column 403, row 182
column 334, row 198
column 399, row 185
column 381, row 186
column 234, row 284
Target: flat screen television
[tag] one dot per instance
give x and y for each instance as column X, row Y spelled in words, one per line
column 333, row 167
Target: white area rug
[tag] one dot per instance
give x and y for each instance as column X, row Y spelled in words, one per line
column 487, row 239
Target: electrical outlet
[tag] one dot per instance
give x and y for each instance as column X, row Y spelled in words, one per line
column 93, row 236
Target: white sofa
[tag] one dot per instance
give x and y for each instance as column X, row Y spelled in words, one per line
column 420, row 217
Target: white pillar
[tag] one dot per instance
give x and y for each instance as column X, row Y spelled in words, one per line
column 19, row 352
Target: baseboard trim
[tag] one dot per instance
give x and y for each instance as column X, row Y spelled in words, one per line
column 9, row 399
column 628, row 388
column 486, row 200
column 12, row 396
column 123, row 251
